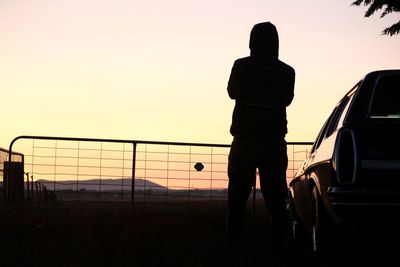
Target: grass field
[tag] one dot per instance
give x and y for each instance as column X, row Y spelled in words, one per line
column 91, row 234
column 160, row 234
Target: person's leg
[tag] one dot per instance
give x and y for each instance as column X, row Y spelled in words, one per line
column 274, row 188
column 241, row 172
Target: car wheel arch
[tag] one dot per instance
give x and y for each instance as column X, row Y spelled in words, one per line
column 301, row 194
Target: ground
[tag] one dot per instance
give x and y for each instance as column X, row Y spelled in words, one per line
column 153, row 234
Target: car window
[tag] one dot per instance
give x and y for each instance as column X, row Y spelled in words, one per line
column 344, row 112
column 340, row 110
column 323, row 131
column 336, row 118
column 386, row 98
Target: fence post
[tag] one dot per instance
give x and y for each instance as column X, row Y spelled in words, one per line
column 14, row 181
column 27, row 187
column 133, row 175
column 254, row 196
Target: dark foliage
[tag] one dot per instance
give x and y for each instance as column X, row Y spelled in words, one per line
column 388, row 6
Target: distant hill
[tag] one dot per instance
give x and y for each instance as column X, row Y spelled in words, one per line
column 102, row 184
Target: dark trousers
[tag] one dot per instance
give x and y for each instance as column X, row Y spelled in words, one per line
column 270, row 158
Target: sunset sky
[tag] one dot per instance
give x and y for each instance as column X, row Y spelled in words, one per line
column 158, row 70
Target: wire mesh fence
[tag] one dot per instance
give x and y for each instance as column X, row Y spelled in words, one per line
column 82, row 169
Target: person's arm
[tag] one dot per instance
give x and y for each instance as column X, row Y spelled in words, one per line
column 233, row 83
column 290, row 92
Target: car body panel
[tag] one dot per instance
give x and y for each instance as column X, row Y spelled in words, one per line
column 355, row 159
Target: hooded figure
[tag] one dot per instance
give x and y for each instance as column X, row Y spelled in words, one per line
column 264, row 40
column 262, row 87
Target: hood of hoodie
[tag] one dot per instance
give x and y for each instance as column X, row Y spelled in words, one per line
column 264, row 40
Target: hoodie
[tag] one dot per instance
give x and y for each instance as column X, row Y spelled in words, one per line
column 262, row 87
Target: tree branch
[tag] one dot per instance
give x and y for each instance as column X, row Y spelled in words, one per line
column 392, row 30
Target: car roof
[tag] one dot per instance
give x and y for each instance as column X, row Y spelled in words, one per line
column 366, row 86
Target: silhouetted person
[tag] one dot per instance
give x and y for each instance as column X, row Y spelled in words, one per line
column 262, row 87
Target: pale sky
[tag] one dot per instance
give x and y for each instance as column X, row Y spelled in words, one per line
column 158, row 70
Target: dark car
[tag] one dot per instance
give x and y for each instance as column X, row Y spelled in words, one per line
column 354, row 164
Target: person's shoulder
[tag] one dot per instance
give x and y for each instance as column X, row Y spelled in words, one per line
column 243, row 60
column 285, row 66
